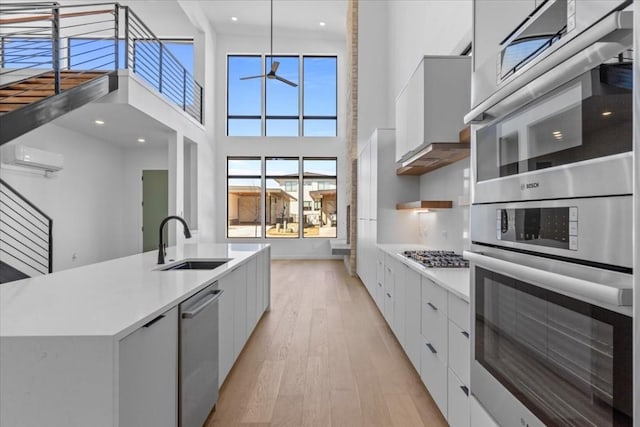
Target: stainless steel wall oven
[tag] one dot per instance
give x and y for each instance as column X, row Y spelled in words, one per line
column 551, row 253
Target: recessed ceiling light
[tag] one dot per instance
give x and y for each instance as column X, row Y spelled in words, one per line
column 234, row 18
column 322, row 23
column 607, row 113
column 99, row 122
column 141, row 140
column 557, row 132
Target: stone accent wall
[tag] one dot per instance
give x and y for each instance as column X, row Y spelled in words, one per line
column 352, row 126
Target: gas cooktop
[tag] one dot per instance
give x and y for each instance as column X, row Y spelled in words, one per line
column 437, row 259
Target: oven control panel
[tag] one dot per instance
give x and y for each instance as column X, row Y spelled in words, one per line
column 554, row 227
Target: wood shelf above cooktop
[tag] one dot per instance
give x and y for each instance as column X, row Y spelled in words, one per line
column 426, row 204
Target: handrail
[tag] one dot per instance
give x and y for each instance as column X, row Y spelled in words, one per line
column 24, row 199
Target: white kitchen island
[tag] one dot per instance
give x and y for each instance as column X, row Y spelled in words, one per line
column 62, row 335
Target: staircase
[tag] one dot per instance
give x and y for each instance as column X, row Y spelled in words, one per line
column 32, row 102
column 26, row 237
column 44, row 75
column 31, row 90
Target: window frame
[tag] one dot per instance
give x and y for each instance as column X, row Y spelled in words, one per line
column 300, row 179
column 301, row 117
column 261, row 197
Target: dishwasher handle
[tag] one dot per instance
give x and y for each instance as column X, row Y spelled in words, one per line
column 213, row 296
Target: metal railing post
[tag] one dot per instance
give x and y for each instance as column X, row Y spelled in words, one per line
column 201, row 107
column 184, row 90
column 50, row 246
column 126, row 37
column 160, row 68
column 55, row 48
column 116, row 35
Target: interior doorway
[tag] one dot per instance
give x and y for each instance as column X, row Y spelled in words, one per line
column 155, row 206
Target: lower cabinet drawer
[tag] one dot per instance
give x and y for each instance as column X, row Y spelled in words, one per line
column 459, row 352
column 458, row 393
column 434, row 376
column 479, row 416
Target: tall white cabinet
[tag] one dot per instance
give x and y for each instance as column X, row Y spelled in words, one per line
column 379, row 189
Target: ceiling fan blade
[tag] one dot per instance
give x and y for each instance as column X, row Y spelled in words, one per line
column 251, row 77
column 274, row 66
column 290, row 83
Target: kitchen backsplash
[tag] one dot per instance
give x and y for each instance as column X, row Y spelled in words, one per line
column 446, row 229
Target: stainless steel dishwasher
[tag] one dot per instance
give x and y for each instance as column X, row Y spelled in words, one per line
column 199, row 356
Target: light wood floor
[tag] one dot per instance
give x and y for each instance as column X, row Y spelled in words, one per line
column 323, row 356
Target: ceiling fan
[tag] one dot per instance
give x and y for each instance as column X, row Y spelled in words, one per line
column 274, row 64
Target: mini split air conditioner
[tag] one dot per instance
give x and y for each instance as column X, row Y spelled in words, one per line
column 22, row 155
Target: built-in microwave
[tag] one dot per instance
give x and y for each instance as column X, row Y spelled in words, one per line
column 554, row 146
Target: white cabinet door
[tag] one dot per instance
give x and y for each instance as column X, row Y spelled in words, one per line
column 148, row 374
column 434, row 376
column 361, row 254
column 372, row 197
column 239, row 278
column 226, row 307
column 399, row 303
column 434, row 319
column 267, row 279
column 252, row 294
column 479, row 416
column 459, row 352
column 458, row 402
column 364, row 183
column 412, row 336
column 260, row 280
column 389, row 288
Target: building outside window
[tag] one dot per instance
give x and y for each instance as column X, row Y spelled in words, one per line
column 244, row 191
column 276, row 108
column 278, row 183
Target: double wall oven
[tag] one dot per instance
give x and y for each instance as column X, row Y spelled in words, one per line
column 551, row 231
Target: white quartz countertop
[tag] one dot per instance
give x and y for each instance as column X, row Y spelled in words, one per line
column 454, row 280
column 111, row 298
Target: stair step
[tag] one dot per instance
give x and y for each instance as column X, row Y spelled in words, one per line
column 20, row 99
column 6, row 108
column 22, row 92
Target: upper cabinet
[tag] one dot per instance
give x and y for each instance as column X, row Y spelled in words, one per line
column 493, row 21
column 432, row 105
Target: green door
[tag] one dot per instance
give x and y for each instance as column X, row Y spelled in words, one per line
column 155, row 205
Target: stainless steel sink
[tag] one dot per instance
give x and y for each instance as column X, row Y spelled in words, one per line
column 195, row 264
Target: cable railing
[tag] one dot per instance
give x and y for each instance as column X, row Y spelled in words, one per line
column 66, row 41
column 26, row 234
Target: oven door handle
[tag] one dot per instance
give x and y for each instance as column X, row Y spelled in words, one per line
column 567, row 285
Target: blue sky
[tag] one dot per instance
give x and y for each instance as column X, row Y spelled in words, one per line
column 245, row 97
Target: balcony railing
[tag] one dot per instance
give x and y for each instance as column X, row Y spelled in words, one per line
column 38, row 38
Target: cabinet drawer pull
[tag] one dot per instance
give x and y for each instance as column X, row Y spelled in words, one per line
column 465, row 333
column 465, row 389
column 430, row 347
column 388, row 269
column 151, row 322
column 388, row 294
column 432, row 306
column 379, row 284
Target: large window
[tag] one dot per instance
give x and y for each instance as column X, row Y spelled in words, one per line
column 282, row 183
column 244, row 189
column 268, row 107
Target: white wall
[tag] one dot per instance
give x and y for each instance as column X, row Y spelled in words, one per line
column 84, row 199
column 374, row 104
column 238, row 146
column 446, row 229
column 399, row 33
column 135, row 161
column 423, row 27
